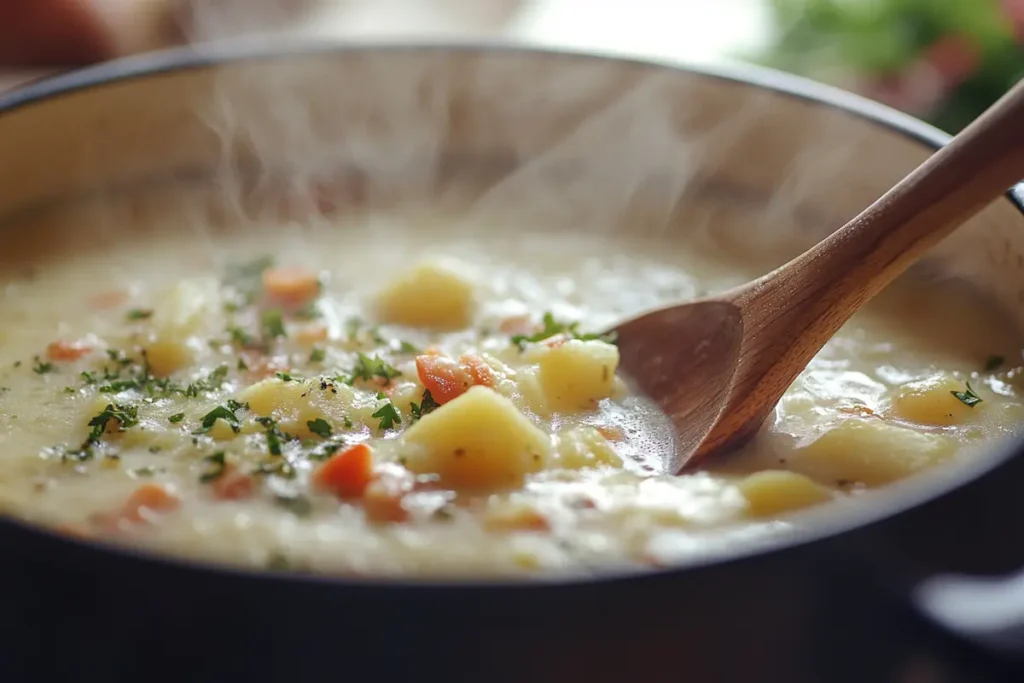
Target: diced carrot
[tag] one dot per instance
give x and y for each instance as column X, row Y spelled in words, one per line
column 109, row 299
column 518, row 519
column 516, row 324
column 556, row 341
column 348, row 473
column 149, row 497
column 67, row 350
column 611, row 433
column 73, row 530
column 382, row 501
column 260, row 366
column 307, row 335
column 232, row 484
column 291, row 284
column 480, row 372
column 443, row 377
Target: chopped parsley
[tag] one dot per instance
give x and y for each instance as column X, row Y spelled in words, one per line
column 275, row 437
column 317, row 355
column 247, row 278
column 240, row 336
column 387, row 414
column 272, row 324
column 553, row 327
column 215, row 467
column 125, row 415
column 406, row 347
column 41, row 368
column 297, row 504
column 320, row 427
column 968, row 397
column 287, row 377
column 427, row 405
column 139, row 314
column 308, row 312
column 367, row 368
column 994, row 363
column 176, row 418
column 225, row 412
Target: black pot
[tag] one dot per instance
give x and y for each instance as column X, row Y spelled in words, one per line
column 828, row 604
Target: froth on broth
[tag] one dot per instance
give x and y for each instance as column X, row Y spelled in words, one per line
column 390, row 396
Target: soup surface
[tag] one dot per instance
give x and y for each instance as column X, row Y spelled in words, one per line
column 379, row 400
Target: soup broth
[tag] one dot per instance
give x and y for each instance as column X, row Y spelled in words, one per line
column 391, row 398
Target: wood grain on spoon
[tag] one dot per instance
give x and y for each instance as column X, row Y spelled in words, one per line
column 718, row 366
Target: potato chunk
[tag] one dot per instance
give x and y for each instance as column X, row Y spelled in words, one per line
column 577, row 374
column 585, row 447
column 479, row 440
column 872, row 452
column 294, row 404
column 183, row 310
column 434, row 294
column 774, row 492
column 166, row 357
column 931, row 402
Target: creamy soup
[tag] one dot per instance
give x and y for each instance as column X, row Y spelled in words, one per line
column 382, row 401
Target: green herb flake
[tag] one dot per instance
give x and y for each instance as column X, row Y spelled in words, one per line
column 553, row 327
column 41, row 368
column 317, row 355
column 388, row 415
column 176, row 418
column 297, row 504
column 215, row 467
column 139, row 314
column 320, row 427
column 427, row 405
column 367, row 368
column 126, row 416
column 225, row 412
column 406, row 347
column 968, row 397
column 247, row 278
column 272, row 324
column 993, row 363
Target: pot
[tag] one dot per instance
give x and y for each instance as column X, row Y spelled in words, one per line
column 757, row 159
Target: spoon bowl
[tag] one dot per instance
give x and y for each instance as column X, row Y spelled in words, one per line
column 718, row 366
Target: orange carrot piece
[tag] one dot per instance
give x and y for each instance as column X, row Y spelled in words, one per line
column 149, row 497
column 348, row 473
column 291, row 284
column 517, row 324
column 611, row 432
column 480, row 372
column 382, row 501
column 67, row 350
column 109, row 299
column 443, row 377
column 307, row 335
column 232, row 484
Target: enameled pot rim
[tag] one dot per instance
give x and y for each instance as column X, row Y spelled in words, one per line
column 181, row 59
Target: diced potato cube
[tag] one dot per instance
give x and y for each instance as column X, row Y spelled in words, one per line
column 932, row 402
column 183, row 310
column 578, row 374
column 165, row 357
column 584, row 447
column 774, row 492
column 221, row 430
column 872, row 452
column 477, row 440
column 294, row 404
column 433, row 294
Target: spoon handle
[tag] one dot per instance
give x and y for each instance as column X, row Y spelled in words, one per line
column 789, row 314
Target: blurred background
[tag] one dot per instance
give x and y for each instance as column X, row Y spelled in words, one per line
column 941, row 60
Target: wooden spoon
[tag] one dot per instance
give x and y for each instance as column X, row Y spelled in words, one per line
column 717, row 366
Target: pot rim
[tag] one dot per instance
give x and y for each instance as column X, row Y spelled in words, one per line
column 847, row 521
